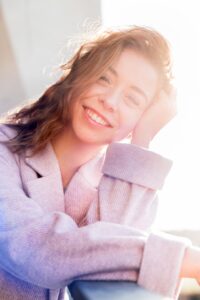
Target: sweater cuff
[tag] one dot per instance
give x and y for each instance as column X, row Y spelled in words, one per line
column 161, row 264
column 137, row 165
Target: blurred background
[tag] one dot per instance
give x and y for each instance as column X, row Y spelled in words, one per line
column 35, row 37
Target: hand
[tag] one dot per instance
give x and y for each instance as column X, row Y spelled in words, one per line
column 155, row 117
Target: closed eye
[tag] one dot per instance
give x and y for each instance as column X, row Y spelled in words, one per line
column 133, row 99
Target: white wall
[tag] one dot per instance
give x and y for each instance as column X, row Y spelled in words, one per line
column 33, row 35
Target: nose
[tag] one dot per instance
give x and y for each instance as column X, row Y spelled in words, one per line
column 110, row 100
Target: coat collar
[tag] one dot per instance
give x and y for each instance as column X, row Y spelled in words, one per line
column 47, row 189
column 44, row 162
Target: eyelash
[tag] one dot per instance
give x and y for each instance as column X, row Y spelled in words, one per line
column 105, row 78
column 136, row 102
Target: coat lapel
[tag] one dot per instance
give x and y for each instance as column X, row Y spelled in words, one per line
column 45, row 184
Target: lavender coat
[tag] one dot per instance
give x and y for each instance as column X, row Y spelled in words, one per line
column 98, row 228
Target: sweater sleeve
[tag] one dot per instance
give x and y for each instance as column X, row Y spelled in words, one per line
column 128, row 190
column 127, row 194
column 136, row 165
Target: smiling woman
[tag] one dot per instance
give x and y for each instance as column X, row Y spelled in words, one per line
column 70, row 211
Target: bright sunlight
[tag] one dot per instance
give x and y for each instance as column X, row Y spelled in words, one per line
column 179, row 22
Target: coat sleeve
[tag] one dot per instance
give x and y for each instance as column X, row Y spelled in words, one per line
column 49, row 250
column 127, row 195
column 128, row 190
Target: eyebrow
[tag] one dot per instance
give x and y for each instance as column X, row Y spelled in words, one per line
column 133, row 87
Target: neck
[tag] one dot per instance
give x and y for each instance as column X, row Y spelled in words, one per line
column 71, row 153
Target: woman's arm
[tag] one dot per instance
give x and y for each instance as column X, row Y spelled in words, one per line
column 128, row 189
column 127, row 195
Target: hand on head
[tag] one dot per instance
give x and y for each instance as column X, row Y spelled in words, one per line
column 156, row 116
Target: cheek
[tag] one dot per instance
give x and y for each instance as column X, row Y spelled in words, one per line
column 125, row 127
column 128, row 127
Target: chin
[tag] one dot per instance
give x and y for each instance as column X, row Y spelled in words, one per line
column 89, row 138
column 86, row 135
column 94, row 141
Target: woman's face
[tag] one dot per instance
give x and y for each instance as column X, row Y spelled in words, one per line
column 111, row 107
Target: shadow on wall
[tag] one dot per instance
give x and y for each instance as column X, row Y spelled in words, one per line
column 10, row 83
column 34, row 40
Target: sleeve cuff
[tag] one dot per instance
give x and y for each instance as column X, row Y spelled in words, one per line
column 161, row 264
column 137, row 165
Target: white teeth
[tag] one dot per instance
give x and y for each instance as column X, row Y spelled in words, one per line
column 96, row 117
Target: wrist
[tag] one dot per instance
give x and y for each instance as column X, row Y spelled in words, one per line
column 190, row 266
column 142, row 141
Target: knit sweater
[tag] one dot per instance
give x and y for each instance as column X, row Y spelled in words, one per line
column 98, row 228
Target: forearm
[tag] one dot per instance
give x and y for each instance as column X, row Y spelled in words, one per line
column 56, row 255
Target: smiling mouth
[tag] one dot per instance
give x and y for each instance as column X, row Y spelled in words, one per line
column 96, row 118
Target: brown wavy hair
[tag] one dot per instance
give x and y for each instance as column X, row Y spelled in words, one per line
column 37, row 123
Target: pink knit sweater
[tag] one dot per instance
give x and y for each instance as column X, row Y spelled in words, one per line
column 98, row 228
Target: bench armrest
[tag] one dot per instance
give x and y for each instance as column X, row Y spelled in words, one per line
column 109, row 290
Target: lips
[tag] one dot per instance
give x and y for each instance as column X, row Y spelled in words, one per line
column 97, row 117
